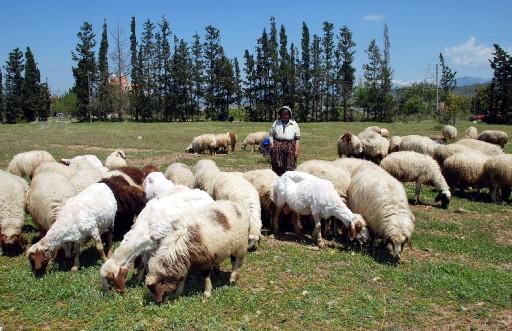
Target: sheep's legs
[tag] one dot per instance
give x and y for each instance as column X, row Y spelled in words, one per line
column 99, row 245
column 418, row 190
column 236, row 263
column 296, row 225
column 142, row 269
column 317, row 232
column 275, row 227
column 76, row 257
column 181, row 286
column 494, row 192
column 109, row 244
column 207, row 283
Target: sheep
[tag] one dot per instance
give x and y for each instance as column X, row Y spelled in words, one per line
column 233, row 187
column 382, row 202
column 306, row 194
column 225, row 140
column 339, row 177
column 203, row 143
column 375, row 129
column 471, row 133
column 156, row 185
column 24, row 164
column 394, row 144
column 12, row 212
column 449, row 132
column 263, row 180
column 438, row 138
column 82, row 162
column 375, row 147
column 85, row 177
column 116, row 160
column 55, row 167
column 419, row 144
column 419, row 168
column 442, row 152
column 205, row 172
column 495, row 137
column 498, row 175
column 254, row 139
column 134, row 176
column 100, row 208
column 465, row 169
column 353, row 165
column 181, row 174
column 155, row 222
column 349, row 145
column 481, row 146
column 203, row 238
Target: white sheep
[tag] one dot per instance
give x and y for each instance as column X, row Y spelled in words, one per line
column 394, row 144
column 382, row 201
column 496, row 137
column 180, row 174
column 418, row 144
column 254, row 139
column 83, row 162
column 349, row 145
column 375, row 129
column 12, row 212
column 465, row 169
column 156, row 185
column 442, row 152
column 339, row 177
column 353, row 165
column 203, row 143
column 84, row 178
column 481, row 146
column 154, row 223
column 263, row 180
column 203, row 238
column 375, row 147
column 418, row 168
column 306, row 194
column 205, row 172
column 498, row 176
column 449, row 132
column 24, row 164
column 471, row 133
column 56, row 167
column 233, row 187
column 116, row 160
column 225, row 141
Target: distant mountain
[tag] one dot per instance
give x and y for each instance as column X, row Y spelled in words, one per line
column 467, row 80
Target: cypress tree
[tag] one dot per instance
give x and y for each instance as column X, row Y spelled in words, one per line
column 372, row 75
column 316, row 79
column 273, row 62
column 328, row 87
column 237, row 84
column 105, row 106
column 250, row 84
column 14, row 86
column 45, row 102
column 212, row 52
column 31, row 87
column 2, row 108
column 500, row 90
column 345, row 75
column 197, row 73
column 447, row 84
column 305, row 74
column 147, row 79
column 136, row 94
column 386, row 75
column 285, row 68
column 165, row 70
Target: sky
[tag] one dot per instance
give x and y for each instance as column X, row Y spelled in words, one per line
column 419, row 30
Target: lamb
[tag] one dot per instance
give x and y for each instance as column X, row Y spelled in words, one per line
column 353, row 165
column 24, row 164
column 471, row 133
column 233, row 187
column 116, row 160
column 339, row 177
column 419, row 168
column 263, row 180
column 254, row 139
column 205, row 172
column 419, row 144
column 481, row 146
column 203, row 238
column 375, row 147
column 12, row 212
column 495, row 137
column 498, row 176
column 100, row 208
column 449, row 132
column 203, row 143
column 224, row 141
column 306, row 194
column 155, row 222
column 382, row 201
column 394, row 144
column 349, row 145
column 156, row 185
column 55, row 167
column 465, row 169
column 180, row 174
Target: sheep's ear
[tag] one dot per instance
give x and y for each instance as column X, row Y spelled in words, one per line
column 110, row 277
column 123, row 273
column 352, row 232
column 347, row 137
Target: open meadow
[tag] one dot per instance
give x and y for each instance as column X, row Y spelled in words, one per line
column 459, row 275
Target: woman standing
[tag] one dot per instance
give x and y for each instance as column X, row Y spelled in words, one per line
column 284, row 142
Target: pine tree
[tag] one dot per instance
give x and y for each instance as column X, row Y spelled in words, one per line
column 285, row 68
column 237, row 84
column 372, row 75
column 197, row 74
column 31, row 88
column 148, row 69
column 14, row 86
column 263, row 72
column 136, row 92
column 273, row 62
column 293, row 76
column 212, row 52
column 105, row 106
column 386, row 75
column 316, row 79
column 345, row 72
column 328, row 86
column 225, row 86
column 45, row 102
column 2, row 108
column 305, row 74
column 166, row 79
column 447, row 84
column 500, row 90
column 250, row 85
column 85, row 72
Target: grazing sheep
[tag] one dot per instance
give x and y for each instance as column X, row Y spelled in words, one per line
column 254, row 139
column 373, row 129
column 55, row 167
column 442, row 152
column 224, row 141
column 465, row 169
column 205, row 172
column 498, row 176
column 481, row 146
column 85, row 177
column 203, row 238
column 394, row 144
column 180, row 174
column 419, row 168
column 449, row 132
column 375, row 147
column 306, row 194
column 339, row 177
column 116, row 160
column 382, row 201
column 12, row 212
column 134, row 176
column 495, row 137
column 233, row 187
column 203, row 143
column 439, row 139
column 84, row 162
column 263, row 180
column 155, row 222
column 349, row 145
column 418, row 144
column 156, row 185
column 353, row 165
column 471, row 133
column 24, row 164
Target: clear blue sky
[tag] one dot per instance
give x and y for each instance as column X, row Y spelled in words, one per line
column 419, row 30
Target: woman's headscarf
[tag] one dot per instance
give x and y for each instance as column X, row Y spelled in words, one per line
column 282, row 110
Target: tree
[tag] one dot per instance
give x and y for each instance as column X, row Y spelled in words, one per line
column 237, row 84
column 105, row 106
column 447, row 84
column 136, row 95
column 372, row 75
column 197, row 73
column 385, row 80
column 285, row 70
column 500, row 90
column 165, row 69
column 273, row 63
column 147, row 70
column 85, row 72
column 31, row 88
column 316, row 79
column 13, row 86
column 45, row 102
column 2, row 108
column 305, row 74
column 345, row 75
column 328, row 86
column 212, row 52
column 120, row 63
column 250, row 85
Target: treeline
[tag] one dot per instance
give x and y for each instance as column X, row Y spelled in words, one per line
column 23, row 97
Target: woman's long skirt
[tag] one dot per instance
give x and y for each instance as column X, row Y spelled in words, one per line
column 283, row 156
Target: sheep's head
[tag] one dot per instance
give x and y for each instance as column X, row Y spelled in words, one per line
column 155, row 184
column 243, row 146
column 12, row 243
column 189, row 149
column 395, row 246
column 160, row 286
column 39, row 258
column 358, row 230
column 120, row 153
column 384, row 132
column 149, row 169
column 444, row 198
column 116, row 282
column 353, row 143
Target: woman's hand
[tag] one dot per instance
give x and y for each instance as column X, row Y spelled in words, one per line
column 297, row 149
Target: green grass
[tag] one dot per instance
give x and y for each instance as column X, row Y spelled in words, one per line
column 459, row 274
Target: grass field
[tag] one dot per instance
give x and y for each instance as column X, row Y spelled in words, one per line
column 459, row 275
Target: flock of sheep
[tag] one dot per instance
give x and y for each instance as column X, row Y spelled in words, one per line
column 191, row 219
